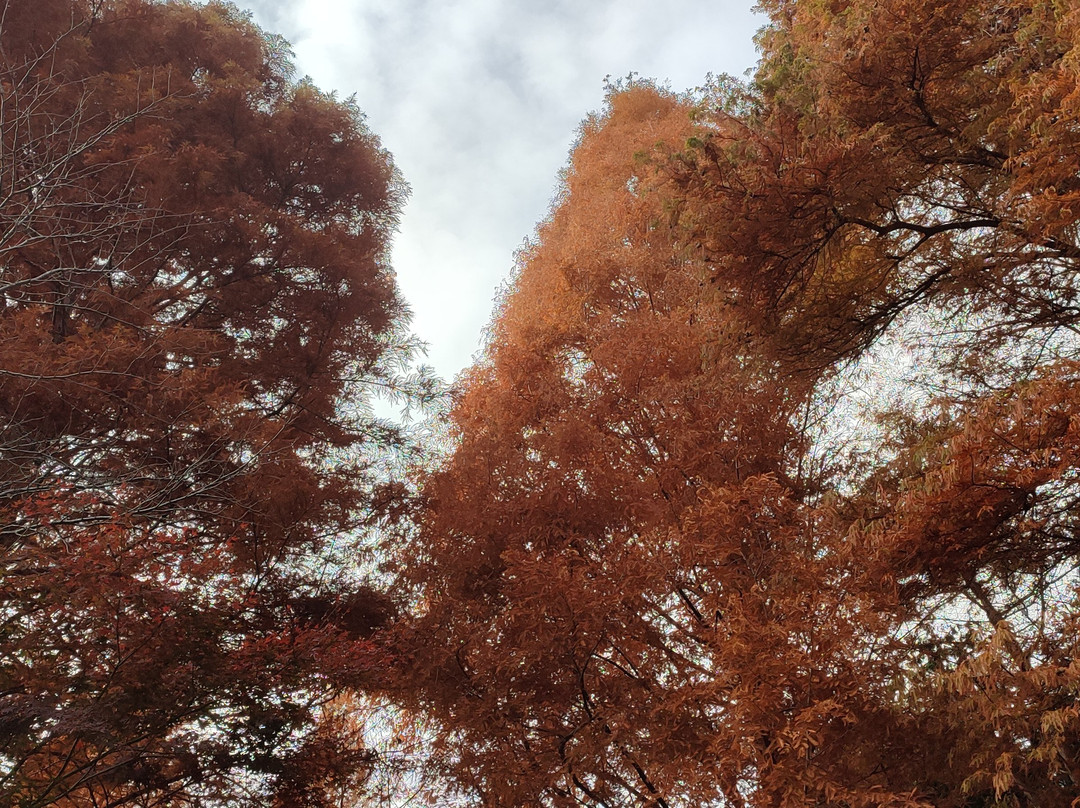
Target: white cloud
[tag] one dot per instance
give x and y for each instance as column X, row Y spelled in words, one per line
column 479, row 101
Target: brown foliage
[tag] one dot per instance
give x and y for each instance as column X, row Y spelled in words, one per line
column 194, row 302
column 652, row 573
column 619, row 563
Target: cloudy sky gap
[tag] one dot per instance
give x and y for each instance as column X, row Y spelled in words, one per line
column 479, row 102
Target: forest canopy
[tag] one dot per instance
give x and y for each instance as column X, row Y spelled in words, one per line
column 195, row 307
column 765, row 490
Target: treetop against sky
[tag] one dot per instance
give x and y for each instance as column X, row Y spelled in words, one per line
column 692, row 541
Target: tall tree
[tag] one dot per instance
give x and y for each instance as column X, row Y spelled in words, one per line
column 196, row 308
column 619, row 558
column 654, row 571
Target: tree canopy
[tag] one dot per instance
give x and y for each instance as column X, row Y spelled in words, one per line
column 764, row 493
column 195, row 308
column 765, row 490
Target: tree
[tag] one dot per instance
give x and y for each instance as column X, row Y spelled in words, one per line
column 196, row 308
column 655, row 571
column 618, row 557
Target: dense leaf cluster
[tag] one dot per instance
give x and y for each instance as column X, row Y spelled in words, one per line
column 764, row 493
column 766, row 489
column 195, row 304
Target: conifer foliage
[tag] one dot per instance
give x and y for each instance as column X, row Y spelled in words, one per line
column 194, row 307
column 656, row 571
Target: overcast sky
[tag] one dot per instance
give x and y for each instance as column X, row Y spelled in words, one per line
column 479, row 102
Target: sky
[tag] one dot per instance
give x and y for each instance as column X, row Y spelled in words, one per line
column 479, row 102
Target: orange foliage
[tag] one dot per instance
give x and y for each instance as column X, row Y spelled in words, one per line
column 617, row 561
column 652, row 573
column 194, row 298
